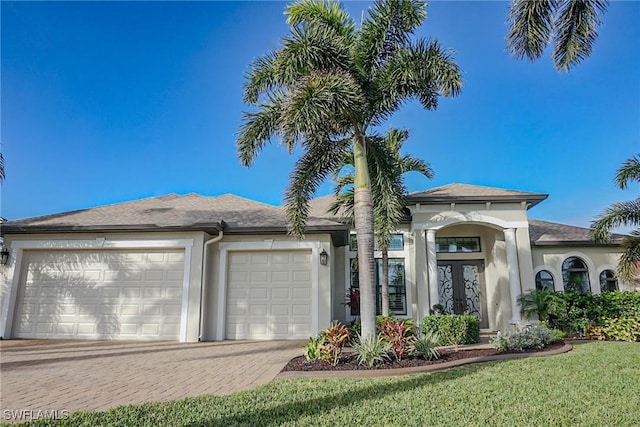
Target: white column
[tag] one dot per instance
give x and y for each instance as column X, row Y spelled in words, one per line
column 432, row 263
column 514, row 272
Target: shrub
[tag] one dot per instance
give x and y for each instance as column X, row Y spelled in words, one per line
column 425, row 346
column 453, row 329
column 316, row 349
column 372, row 350
column 335, row 337
column 585, row 312
column 398, row 334
column 616, row 329
column 409, row 324
column 522, row 339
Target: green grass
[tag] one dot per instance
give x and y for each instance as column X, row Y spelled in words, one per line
column 596, row 384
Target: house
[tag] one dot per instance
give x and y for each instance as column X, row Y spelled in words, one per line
column 189, row 268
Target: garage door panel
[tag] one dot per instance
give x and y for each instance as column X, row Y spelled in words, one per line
column 260, row 295
column 100, row 294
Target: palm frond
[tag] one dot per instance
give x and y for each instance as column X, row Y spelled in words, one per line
column 618, row 214
column 2, row 175
column 261, row 78
column 385, row 30
column 320, row 159
column 424, row 71
column 629, row 171
column 326, row 12
column 629, row 265
column 321, row 103
column 316, row 48
column 576, row 30
column 258, row 128
column 530, row 27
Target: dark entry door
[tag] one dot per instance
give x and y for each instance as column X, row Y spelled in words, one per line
column 461, row 287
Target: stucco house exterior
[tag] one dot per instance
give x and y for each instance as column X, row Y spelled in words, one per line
column 190, row 268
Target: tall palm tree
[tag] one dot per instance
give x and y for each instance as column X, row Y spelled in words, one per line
column 386, row 165
column 325, row 87
column 623, row 214
column 571, row 25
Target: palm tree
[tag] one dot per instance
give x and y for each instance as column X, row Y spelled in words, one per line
column 323, row 90
column 386, row 165
column 623, row 214
column 572, row 26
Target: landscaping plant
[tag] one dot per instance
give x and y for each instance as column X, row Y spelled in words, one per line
column 424, row 346
column 522, row 339
column 316, row 349
column 371, row 351
column 453, row 329
column 336, row 337
column 398, row 335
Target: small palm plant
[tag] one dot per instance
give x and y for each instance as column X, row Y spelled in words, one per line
column 541, row 303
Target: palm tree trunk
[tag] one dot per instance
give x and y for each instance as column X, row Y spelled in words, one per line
column 385, row 282
column 363, row 213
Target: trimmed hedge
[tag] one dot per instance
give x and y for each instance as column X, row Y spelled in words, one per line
column 453, row 329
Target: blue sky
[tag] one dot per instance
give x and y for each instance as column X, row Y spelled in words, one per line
column 104, row 102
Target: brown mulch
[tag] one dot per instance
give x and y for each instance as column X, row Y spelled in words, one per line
column 348, row 362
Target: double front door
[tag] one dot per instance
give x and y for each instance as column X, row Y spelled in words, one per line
column 461, row 288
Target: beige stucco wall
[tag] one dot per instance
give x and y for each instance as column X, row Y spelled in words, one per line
column 193, row 310
column 597, row 259
column 212, row 284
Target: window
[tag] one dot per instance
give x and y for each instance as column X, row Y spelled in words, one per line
column 575, row 276
column 457, row 244
column 395, row 244
column 544, row 281
column 397, row 286
column 608, row 281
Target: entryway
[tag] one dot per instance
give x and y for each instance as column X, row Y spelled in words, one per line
column 461, row 288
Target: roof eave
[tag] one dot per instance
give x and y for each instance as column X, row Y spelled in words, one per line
column 437, row 200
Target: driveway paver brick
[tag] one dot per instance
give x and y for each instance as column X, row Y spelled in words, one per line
column 72, row 375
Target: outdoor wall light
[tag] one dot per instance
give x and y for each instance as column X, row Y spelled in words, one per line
column 324, row 257
column 4, row 256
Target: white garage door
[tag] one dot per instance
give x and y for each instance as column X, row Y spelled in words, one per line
column 269, row 295
column 132, row 294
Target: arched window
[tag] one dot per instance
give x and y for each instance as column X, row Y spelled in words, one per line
column 608, row 281
column 544, row 281
column 575, row 275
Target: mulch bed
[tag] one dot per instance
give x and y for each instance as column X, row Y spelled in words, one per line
column 348, row 362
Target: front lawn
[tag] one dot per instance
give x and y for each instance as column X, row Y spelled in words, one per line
column 596, row 384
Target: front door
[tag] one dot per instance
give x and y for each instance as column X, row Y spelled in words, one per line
column 461, row 287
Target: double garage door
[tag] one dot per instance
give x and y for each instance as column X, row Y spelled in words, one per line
column 269, row 295
column 107, row 294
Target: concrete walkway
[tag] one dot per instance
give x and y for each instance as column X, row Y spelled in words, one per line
column 48, row 375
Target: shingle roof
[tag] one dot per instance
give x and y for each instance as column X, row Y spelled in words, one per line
column 549, row 233
column 190, row 211
column 458, row 193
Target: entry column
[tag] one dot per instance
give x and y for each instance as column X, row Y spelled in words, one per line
column 432, row 263
column 514, row 272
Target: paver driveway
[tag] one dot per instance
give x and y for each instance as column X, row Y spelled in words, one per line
column 47, row 375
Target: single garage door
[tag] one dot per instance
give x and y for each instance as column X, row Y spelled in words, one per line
column 107, row 294
column 269, row 295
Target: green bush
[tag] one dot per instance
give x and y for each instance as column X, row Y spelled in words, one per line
column 582, row 314
column 453, row 329
column 371, row 351
column 616, row 329
column 522, row 339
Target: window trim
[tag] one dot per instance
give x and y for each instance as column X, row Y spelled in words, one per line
column 461, row 239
